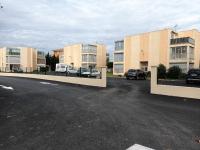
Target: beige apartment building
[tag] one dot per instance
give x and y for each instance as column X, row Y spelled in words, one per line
column 84, row 55
column 165, row 46
column 21, row 58
column 59, row 53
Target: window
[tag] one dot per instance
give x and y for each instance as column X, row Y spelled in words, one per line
column 118, row 57
column 191, row 53
column 88, row 65
column 178, row 53
column 13, row 59
column 84, row 58
column 88, row 58
column 182, row 41
column 91, row 58
column 13, row 51
column 183, row 66
column 61, row 59
column 119, row 68
column 191, row 66
column 119, row 45
column 40, row 54
column 41, row 61
column 89, row 48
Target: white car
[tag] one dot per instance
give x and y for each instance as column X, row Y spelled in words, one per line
column 61, row 67
column 71, row 71
column 93, row 73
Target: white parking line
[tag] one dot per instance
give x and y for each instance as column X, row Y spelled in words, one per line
column 6, row 87
column 48, row 83
column 139, row 147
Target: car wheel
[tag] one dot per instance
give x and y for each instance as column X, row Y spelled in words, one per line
column 127, row 78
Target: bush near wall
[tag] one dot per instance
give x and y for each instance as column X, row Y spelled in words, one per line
column 162, row 71
column 43, row 69
column 174, row 72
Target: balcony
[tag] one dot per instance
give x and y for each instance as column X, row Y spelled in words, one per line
column 89, row 49
column 119, row 46
column 184, row 40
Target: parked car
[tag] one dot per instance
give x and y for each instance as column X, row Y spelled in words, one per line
column 89, row 73
column 83, row 72
column 71, row 71
column 17, row 70
column 135, row 74
column 193, row 76
column 95, row 73
column 62, row 68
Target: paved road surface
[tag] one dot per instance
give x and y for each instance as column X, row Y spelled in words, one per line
column 38, row 116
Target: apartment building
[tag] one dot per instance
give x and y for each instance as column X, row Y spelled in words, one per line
column 165, row 46
column 85, row 55
column 59, row 53
column 21, row 58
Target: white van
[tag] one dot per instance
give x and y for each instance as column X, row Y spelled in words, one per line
column 62, row 67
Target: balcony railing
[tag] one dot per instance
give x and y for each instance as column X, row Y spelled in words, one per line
column 182, row 41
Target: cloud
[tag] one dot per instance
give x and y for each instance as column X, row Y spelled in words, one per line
column 49, row 24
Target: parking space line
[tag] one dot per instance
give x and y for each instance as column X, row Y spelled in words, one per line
column 48, row 83
column 139, row 147
column 6, row 87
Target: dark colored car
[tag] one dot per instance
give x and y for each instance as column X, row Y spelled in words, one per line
column 135, row 74
column 193, row 76
column 83, row 72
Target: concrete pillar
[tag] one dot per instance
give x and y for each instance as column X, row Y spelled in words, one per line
column 103, row 75
column 188, row 58
column 154, row 80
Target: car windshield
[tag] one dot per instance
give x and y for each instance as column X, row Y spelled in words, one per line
column 132, row 70
column 94, row 70
column 84, row 70
column 195, row 71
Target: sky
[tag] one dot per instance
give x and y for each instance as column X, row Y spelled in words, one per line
column 52, row 24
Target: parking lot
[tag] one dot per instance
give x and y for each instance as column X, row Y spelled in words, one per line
column 45, row 115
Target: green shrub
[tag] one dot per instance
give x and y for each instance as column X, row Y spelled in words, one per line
column 174, row 72
column 161, row 71
column 43, row 69
column 183, row 76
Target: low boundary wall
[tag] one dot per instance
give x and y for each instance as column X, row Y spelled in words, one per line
column 179, row 91
column 73, row 80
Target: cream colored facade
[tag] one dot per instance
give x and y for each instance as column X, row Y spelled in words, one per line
column 85, row 55
column 23, row 58
column 158, row 47
column 57, row 52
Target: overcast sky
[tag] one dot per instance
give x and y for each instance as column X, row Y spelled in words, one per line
column 50, row 24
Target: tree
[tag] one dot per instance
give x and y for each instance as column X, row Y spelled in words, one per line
column 174, row 72
column 48, row 59
column 110, row 64
column 51, row 61
column 54, row 61
column 161, row 71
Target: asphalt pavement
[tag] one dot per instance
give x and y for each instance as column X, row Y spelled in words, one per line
column 42, row 115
